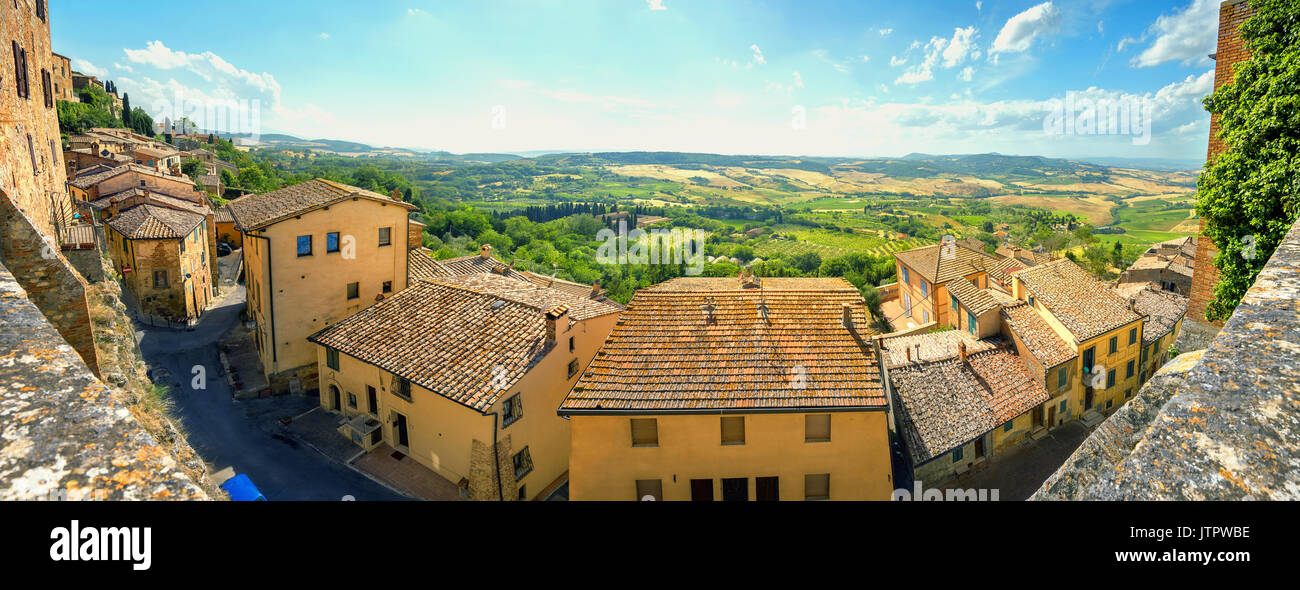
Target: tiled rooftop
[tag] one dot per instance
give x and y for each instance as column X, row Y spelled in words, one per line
column 938, row 268
column 450, row 336
column 974, row 299
column 421, row 264
column 476, row 263
column 86, row 181
column 1085, row 306
column 151, row 222
column 1162, row 309
column 946, row 404
column 928, row 347
column 256, row 211
column 1041, row 340
column 781, row 346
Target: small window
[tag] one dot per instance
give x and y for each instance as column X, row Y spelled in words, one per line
column 970, row 323
column 1114, row 344
column 573, row 367
column 372, row 400
column 1063, row 406
column 403, row 389
column 925, row 289
column 1128, row 393
column 512, row 409
column 385, row 236
column 817, row 428
column 1031, row 301
column 733, row 430
column 570, row 343
column 354, row 290
column 905, row 276
column 1133, row 336
column 523, row 463
column 650, row 490
column 332, row 242
column 1008, row 426
column 817, row 487
column 1128, row 372
column 386, row 287
column 1062, row 376
column 956, row 454
column 352, row 400
column 645, row 432
column 1109, row 403
column 304, row 245
column 332, row 358
column 160, row 279
column 1110, row 378
column 954, row 302
column 523, row 493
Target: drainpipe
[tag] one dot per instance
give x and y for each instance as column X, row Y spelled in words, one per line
column 270, row 284
column 496, row 459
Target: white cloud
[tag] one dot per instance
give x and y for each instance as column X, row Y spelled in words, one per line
column 324, row 35
column 414, row 12
column 895, row 61
column 1019, row 32
column 885, row 32
column 941, row 52
column 758, row 55
column 158, row 55
column 1188, row 35
column 86, row 67
column 798, row 80
column 866, row 58
column 979, row 7
column 123, row 67
column 966, row 74
column 1101, row 27
column 656, row 4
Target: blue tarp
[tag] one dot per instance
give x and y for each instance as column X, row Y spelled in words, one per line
column 241, row 489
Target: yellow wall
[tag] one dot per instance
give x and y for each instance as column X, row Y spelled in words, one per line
column 311, row 291
column 605, row 466
column 441, row 432
column 183, row 297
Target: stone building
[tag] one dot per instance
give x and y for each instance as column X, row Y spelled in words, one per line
column 36, row 212
column 1168, row 265
column 61, row 71
column 160, row 245
column 452, row 368
column 923, row 274
column 1231, row 51
column 734, row 389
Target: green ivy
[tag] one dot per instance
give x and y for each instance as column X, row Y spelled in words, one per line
column 1248, row 194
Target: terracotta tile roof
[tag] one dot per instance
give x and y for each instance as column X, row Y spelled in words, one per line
column 1162, row 309
column 445, row 339
column 420, row 264
column 450, row 338
column 1085, row 306
column 974, row 299
column 1039, row 338
column 928, row 347
column 1002, row 270
column 946, row 404
column 155, row 197
column 939, row 269
column 151, row 222
column 223, row 216
column 88, row 181
column 256, row 211
column 475, row 264
column 577, row 289
column 580, row 307
column 779, row 347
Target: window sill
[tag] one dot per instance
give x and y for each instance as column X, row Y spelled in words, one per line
column 644, row 446
column 816, row 440
column 733, row 444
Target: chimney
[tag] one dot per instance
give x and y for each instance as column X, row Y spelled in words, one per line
column 846, row 313
column 961, row 351
column 485, row 251
column 595, row 290
column 909, row 353
column 553, row 318
column 1132, row 303
column 414, row 234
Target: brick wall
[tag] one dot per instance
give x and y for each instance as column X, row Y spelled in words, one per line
column 1231, row 51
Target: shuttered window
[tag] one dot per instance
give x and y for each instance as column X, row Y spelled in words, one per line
column 650, row 490
column 817, row 487
column 817, row 428
column 645, row 432
column 733, row 430
column 18, row 69
column 48, row 88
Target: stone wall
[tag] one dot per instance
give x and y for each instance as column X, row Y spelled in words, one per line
column 63, row 434
column 1231, row 51
column 483, row 473
column 49, row 279
column 87, row 261
column 1222, row 424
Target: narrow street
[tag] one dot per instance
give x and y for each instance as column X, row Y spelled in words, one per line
column 223, row 432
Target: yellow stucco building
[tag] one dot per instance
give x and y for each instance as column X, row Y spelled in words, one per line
column 733, row 389
column 314, row 254
column 923, row 276
column 160, row 245
column 458, row 369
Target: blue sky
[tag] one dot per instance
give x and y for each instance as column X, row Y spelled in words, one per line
column 853, row 78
